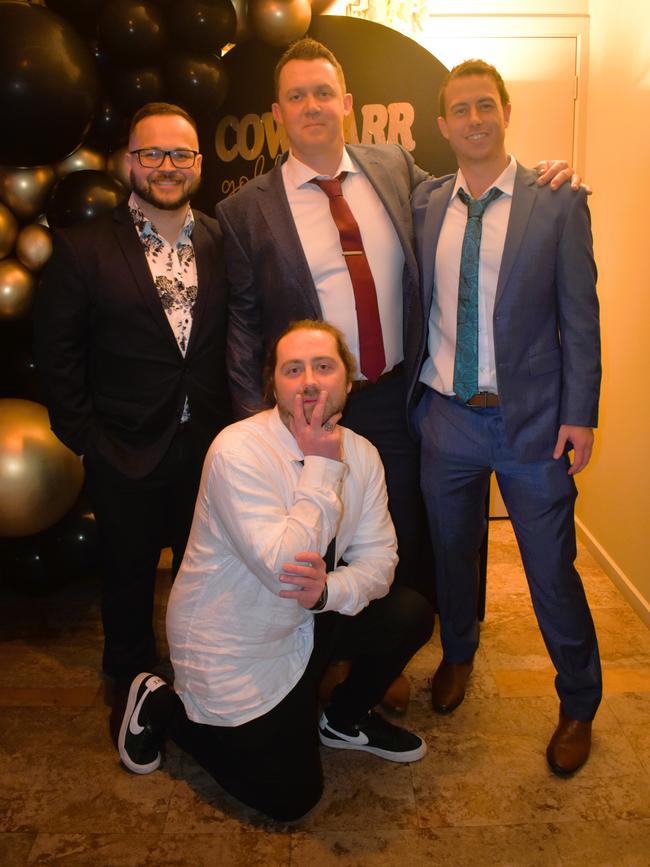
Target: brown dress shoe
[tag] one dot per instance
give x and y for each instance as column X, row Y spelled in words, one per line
column 449, row 684
column 397, row 696
column 569, row 747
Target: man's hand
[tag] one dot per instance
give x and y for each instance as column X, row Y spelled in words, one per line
column 316, row 437
column 309, row 579
column 582, row 440
column 558, row 172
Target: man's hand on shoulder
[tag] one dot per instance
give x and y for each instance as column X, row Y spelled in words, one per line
column 582, row 440
column 308, row 575
column 558, row 172
column 317, row 436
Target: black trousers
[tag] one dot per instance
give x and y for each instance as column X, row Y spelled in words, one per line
column 135, row 519
column 273, row 762
column 378, row 413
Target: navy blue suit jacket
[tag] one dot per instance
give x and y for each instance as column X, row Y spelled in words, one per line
column 546, row 323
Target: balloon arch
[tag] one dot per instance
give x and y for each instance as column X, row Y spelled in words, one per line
column 72, row 73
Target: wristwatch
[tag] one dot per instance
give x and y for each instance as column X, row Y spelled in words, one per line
column 321, row 602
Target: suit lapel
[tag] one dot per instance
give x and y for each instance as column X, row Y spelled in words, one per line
column 136, row 260
column 435, row 214
column 274, row 205
column 523, row 200
column 202, row 243
column 384, row 185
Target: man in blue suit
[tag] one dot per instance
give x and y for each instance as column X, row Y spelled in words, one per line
column 506, row 378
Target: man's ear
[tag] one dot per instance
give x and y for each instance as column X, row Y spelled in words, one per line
column 442, row 126
column 347, row 104
column 276, row 111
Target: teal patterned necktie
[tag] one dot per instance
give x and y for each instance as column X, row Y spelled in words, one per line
column 466, row 361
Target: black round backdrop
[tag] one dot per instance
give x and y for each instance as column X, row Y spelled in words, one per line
column 383, row 69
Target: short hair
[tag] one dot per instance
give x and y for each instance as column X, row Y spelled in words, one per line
column 346, row 356
column 473, row 67
column 307, row 49
column 152, row 109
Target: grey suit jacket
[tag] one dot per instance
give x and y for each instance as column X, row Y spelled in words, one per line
column 271, row 284
column 546, row 324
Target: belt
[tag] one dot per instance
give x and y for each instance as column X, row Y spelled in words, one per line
column 483, row 400
column 360, row 384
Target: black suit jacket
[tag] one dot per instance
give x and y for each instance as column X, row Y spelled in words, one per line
column 113, row 376
column 270, row 279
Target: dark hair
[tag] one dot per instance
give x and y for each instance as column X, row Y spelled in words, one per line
column 346, row 356
column 307, row 49
column 152, row 109
column 473, row 67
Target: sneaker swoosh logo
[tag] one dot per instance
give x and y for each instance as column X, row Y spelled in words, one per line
column 359, row 739
column 134, row 726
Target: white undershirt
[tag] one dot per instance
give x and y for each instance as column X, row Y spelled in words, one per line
column 438, row 369
column 322, row 247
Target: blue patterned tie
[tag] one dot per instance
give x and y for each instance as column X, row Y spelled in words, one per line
column 466, row 361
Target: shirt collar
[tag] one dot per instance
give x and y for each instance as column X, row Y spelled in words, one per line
column 145, row 227
column 282, row 432
column 505, row 182
column 298, row 174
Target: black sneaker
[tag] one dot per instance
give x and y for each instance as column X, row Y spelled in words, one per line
column 138, row 744
column 374, row 735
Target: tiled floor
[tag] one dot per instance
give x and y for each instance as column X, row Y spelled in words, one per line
column 482, row 796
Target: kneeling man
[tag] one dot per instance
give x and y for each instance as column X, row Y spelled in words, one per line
column 290, row 560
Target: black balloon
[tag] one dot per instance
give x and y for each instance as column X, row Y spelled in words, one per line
column 23, row 568
column 203, row 25
column 82, row 13
column 18, row 375
column 48, row 86
column 41, row 564
column 82, row 196
column 197, row 82
column 109, row 128
column 70, row 549
column 132, row 31
column 132, row 88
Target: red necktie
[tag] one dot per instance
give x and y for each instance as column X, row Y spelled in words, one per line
column 371, row 344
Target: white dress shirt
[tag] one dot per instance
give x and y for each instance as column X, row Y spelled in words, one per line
column 322, row 247
column 238, row 648
column 438, row 369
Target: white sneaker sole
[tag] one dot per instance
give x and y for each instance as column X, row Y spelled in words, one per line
column 126, row 719
column 390, row 755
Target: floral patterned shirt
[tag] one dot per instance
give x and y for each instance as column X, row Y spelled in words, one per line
column 173, row 270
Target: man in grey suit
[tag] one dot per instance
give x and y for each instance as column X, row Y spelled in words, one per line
column 507, row 378
column 285, row 262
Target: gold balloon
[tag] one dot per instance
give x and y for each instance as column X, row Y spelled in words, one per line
column 243, row 31
column 80, row 160
column 34, row 246
column 117, row 168
column 319, row 6
column 16, row 289
column 279, row 22
column 8, row 231
column 25, row 191
column 40, row 478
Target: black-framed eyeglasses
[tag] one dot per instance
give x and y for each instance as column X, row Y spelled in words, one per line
column 153, row 158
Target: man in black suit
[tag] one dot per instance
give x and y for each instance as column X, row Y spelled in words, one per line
column 130, row 343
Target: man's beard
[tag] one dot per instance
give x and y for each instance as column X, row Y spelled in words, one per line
column 148, row 193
